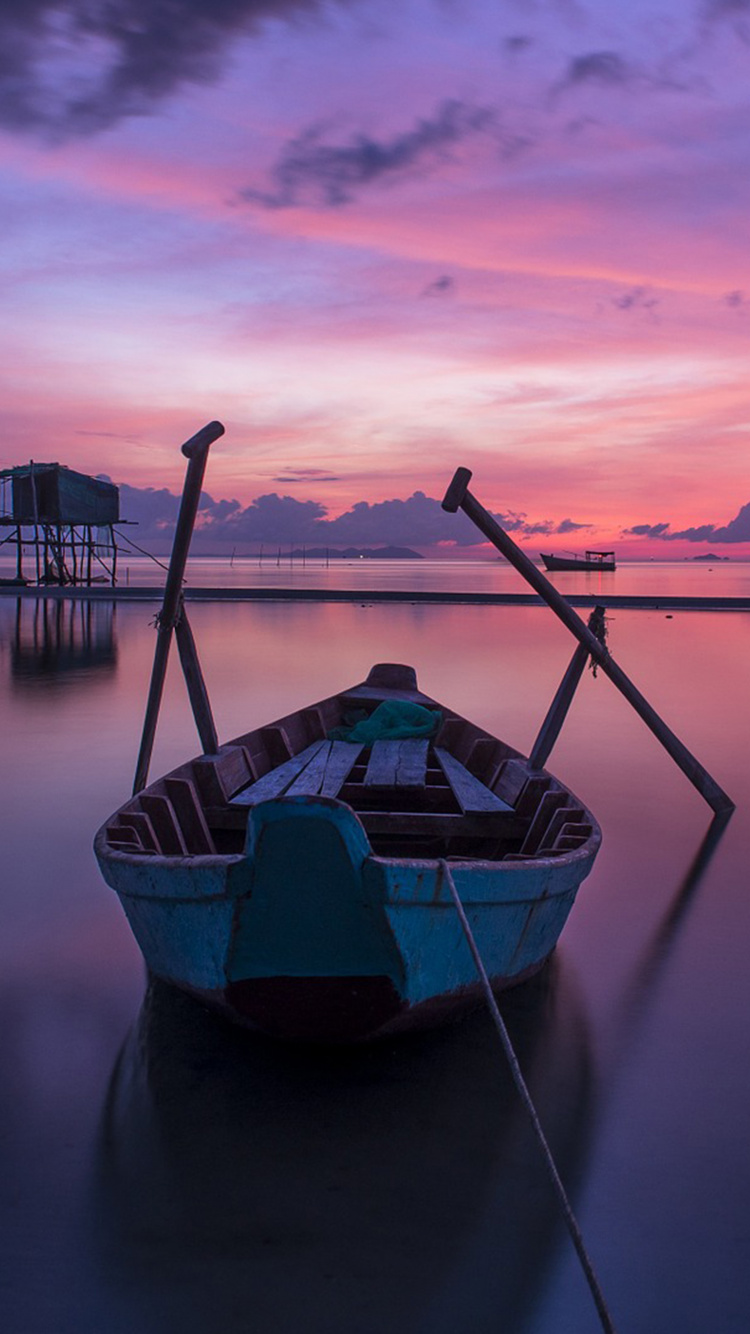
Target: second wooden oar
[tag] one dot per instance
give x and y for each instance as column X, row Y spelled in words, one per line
column 457, row 497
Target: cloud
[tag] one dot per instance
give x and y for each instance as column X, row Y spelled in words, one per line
column 156, row 512
column 704, row 533
column 646, row 530
column 271, row 518
column 544, row 527
column 737, row 530
column 440, row 285
column 609, row 70
column 419, row 521
column 73, row 69
column 600, row 67
column 111, row 435
column 635, row 298
column 730, row 11
column 305, row 475
column 310, row 170
column 514, row 45
column 568, row 526
column 735, row 299
column 541, row 529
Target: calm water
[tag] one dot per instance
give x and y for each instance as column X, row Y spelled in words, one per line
column 668, row 578
column 163, row 1173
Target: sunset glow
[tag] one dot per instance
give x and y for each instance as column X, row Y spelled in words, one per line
column 378, row 243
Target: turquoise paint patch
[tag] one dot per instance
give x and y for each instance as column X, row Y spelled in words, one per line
column 308, row 910
column 511, row 938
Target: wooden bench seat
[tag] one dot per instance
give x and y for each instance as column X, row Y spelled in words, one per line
column 467, row 807
column 319, row 770
column 471, row 794
column 397, row 763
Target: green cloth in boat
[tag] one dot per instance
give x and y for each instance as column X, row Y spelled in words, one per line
column 393, row 720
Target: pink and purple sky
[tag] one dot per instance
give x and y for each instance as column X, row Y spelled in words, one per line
column 381, row 241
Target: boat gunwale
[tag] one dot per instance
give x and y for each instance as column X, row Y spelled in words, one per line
column 367, row 693
column 514, row 865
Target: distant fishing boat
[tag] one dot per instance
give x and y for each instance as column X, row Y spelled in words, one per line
column 592, row 560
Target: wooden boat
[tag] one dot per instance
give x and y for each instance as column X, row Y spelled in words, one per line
column 592, row 560
column 370, row 863
column 300, row 883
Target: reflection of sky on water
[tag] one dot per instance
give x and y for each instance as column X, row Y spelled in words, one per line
column 650, row 578
column 665, row 1188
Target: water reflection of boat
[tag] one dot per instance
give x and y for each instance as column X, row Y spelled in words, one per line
column 62, row 639
column 592, row 560
column 246, row 1184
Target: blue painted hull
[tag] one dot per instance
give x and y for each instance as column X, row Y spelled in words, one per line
column 297, row 882
column 307, row 935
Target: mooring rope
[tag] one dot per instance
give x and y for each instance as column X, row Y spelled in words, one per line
column 142, row 550
column 520, row 1083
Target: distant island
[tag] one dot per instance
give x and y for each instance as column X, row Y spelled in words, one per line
column 355, row 553
column 710, row 556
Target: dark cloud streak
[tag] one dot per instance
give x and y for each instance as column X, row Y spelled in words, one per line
column 73, row 70
column 601, row 67
column 310, row 170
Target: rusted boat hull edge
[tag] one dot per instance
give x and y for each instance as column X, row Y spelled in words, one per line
column 340, row 1010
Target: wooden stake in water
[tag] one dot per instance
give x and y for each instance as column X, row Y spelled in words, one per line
column 558, row 709
column 457, row 497
column 196, row 451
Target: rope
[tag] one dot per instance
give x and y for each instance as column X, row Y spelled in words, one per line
column 142, row 550
column 598, row 626
column 520, row 1083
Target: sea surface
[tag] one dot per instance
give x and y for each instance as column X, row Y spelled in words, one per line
column 689, row 578
column 165, row 1174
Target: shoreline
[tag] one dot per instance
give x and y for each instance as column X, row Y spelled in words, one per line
column 155, row 593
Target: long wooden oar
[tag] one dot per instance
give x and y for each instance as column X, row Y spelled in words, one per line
column 457, row 497
column 196, row 451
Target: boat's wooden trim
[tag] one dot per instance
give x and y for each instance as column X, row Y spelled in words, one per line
column 141, row 829
column 550, row 802
column 219, row 776
column 436, row 824
column 564, row 816
column 164, row 820
column 190, row 816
